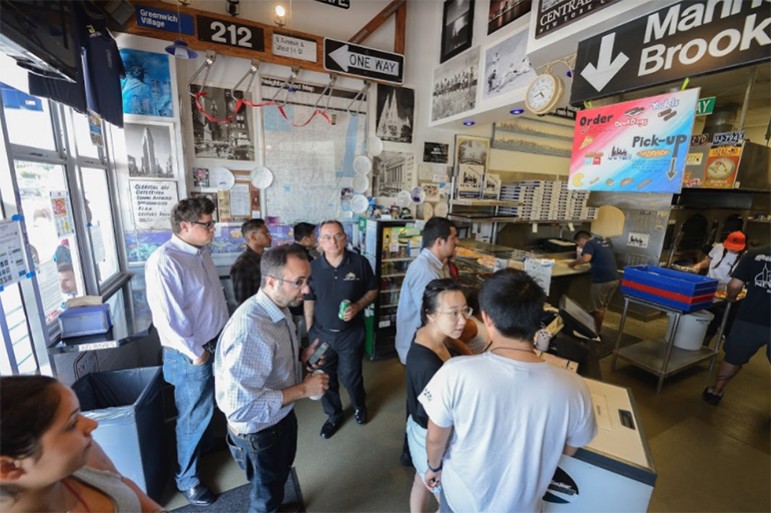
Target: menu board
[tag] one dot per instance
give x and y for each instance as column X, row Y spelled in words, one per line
column 635, row 146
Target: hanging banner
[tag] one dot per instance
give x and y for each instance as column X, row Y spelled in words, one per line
column 686, row 39
column 635, row 146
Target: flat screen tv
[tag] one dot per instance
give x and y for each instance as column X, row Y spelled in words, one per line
column 39, row 35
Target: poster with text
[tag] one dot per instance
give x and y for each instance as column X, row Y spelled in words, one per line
column 635, row 146
column 151, row 203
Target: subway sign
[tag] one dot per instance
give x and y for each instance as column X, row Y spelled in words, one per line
column 686, row 39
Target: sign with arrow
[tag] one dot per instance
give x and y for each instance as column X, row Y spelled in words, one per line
column 683, row 40
column 344, row 57
column 635, row 146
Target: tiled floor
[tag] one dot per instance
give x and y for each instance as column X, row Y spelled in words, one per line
column 707, row 458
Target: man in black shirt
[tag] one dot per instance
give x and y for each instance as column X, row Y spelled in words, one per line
column 339, row 274
column 305, row 236
column 245, row 272
column 752, row 328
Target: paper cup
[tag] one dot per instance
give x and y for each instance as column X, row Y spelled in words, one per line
column 316, row 397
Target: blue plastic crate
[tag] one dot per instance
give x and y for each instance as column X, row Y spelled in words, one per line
column 671, row 280
column 660, row 300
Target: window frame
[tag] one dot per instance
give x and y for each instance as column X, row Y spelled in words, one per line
column 65, row 154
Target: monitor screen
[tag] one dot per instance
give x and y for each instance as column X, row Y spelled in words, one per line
column 39, row 35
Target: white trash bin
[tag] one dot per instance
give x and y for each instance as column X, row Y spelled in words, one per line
column 691, row 329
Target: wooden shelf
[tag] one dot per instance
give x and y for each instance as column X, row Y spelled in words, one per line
column 468, row 202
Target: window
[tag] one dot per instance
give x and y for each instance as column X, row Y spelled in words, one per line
column 47, row 208
column 83, row 142
column 96, row 192
column 28, row 118
column 18, row 331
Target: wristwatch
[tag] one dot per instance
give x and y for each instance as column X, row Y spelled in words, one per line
column 432, row 469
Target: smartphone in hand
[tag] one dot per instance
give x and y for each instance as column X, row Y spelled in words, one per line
column 318, row 353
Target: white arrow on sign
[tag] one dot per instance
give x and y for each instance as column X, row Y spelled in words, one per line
column 345, row 59
column 599, row 76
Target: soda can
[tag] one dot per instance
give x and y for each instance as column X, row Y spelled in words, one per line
column 344, row 304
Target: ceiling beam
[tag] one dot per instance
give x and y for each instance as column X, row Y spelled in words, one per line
column 396, row 6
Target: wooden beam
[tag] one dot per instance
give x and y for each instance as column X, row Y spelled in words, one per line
column 401, row 29
column 376, row 22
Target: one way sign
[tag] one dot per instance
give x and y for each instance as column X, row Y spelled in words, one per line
column 341, row 56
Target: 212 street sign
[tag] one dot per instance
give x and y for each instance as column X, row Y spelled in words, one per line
column 683, row 40
column 341, row 56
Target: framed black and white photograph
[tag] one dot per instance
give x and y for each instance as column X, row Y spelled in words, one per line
column 503, row 12
column 507, row 67
column 226, row 141
column 436, row 153
column 149, row 148
column 395, row 113
column 455, row 86
column 471, row 154
column 392, row 172
column 457, row 27
column 546, row 135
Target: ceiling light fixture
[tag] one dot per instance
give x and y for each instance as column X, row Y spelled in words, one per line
column 179, row 48
column 279, row 15
column 516, row 111
column 469, row 123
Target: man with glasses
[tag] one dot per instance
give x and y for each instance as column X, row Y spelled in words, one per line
column 189, row 310
column 245, row 273
column 258, row 374
column 338, row 275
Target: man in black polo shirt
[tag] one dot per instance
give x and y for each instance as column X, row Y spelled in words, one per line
column 339, row 274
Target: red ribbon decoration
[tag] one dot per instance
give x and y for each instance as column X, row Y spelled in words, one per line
column 241, row 102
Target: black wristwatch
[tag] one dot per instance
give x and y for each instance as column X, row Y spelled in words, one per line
column 432, row 469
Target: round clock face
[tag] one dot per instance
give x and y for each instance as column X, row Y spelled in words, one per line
column 544, row 93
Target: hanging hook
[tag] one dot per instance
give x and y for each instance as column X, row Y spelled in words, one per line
column 251, row 73
column 207, row 65
column 327, row 92
column 361, row 96
column 286, row 86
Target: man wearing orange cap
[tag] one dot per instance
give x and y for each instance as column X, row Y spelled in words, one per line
column 720, row 262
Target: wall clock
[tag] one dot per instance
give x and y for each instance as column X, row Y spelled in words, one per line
column 543, row 93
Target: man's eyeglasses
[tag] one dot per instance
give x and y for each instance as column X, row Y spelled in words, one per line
column 208, row 224
column 298, row 283
column 338, row 237
column 463, row 312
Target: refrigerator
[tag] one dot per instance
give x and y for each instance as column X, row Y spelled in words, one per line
column 390, row 246
column 613, row 473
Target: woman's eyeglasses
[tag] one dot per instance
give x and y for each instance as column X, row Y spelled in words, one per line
column 463, row 312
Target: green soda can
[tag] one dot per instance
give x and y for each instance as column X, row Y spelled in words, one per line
column 344, row 304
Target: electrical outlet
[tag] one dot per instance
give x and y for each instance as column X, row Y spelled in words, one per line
column 86, row 363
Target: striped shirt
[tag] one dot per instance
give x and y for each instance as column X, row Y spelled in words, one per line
column 185, row 296
column 257, row 357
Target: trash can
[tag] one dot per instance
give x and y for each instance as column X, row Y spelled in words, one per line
column 128, row 406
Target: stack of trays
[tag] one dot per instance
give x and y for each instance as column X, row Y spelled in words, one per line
column 674, row 289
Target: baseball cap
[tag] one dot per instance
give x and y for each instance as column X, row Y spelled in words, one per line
column 736, row 241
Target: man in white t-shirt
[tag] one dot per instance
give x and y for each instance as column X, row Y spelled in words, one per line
column 510, row 414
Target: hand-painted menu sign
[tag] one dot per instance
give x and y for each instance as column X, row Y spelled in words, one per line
column 553, row 15
column 685, row 39
column 635, row 146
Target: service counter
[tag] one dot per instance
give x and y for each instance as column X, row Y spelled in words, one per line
column 477, row 260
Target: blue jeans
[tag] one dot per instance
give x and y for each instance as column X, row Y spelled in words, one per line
column 266, row 457
column 194, row 398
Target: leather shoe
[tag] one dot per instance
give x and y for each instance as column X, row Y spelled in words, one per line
column 328, row 430
column 199, row 495
column 361, row 416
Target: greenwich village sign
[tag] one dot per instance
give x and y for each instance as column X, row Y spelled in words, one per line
column 683, row 40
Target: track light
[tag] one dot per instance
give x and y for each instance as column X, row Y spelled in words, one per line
column 279, row 15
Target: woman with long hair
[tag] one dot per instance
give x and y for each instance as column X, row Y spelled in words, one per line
column 48, row 460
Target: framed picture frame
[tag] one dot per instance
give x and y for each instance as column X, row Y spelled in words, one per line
column 471, row 159
column 457, row 28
